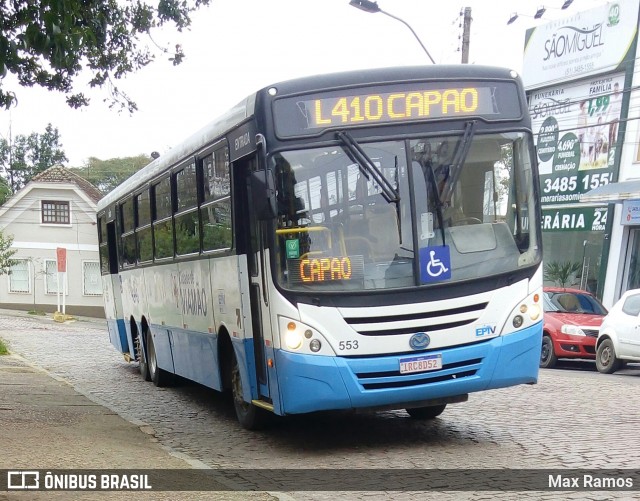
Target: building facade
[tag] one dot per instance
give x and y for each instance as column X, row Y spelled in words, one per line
column 55, row 210
column 579, row 74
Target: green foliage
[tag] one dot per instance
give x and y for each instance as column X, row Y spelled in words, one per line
column 5, row 190
column 561, row 273
column 50, row 42
column 107, row 174
column 3, row 348
column 27, row 156
column 6, row 253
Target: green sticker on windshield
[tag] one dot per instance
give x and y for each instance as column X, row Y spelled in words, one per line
column 293, row 249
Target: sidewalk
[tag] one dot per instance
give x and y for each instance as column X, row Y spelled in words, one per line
column 46, row 424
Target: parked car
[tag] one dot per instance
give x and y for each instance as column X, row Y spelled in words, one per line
column 619, row 339
column 572, row 319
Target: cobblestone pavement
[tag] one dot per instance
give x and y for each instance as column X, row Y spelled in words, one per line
column 573, row 418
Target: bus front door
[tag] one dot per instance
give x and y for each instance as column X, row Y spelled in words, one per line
column 253, row 239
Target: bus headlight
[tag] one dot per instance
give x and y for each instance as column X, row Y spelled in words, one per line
column 525, row 314
column 293, row 337
column 535, row 311
column 301, row 338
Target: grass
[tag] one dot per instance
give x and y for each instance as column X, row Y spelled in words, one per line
column 37, row 312
column 3, row 348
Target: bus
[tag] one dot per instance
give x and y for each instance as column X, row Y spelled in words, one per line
column 361, row 240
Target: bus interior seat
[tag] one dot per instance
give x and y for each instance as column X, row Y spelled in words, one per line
column 382, row 221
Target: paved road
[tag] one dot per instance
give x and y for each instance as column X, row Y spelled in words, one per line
column 574, row 418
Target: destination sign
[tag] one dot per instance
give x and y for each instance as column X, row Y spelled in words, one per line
column 311, row 114
column 316, row 270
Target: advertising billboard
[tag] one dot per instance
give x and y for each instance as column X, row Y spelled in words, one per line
column 588, row 43
column 576, row 132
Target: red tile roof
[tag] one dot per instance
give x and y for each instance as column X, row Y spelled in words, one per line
column 58, row 174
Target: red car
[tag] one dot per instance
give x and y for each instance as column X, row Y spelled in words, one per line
column 572, row 319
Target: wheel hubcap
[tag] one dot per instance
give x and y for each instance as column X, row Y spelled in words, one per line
column 545, row 351
column 605, row 356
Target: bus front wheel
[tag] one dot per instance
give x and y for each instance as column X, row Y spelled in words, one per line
column 249, row 416
column 426, row 412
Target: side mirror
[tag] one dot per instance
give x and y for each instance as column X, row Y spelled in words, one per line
column 263, row 191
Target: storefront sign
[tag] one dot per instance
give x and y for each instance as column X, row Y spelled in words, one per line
column 581, row 219
column 630, row 212
column 586, row 43
column 576, row 127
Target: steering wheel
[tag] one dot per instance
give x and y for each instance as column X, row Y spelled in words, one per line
column 468, row 220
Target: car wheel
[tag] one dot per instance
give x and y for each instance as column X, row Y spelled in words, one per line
column 426, row 412
column 606, row 360
column 548, row 357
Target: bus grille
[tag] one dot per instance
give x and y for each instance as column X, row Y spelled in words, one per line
column 393, row 379
column 426, row 321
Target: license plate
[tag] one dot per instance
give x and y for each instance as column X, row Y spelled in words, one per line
column 420, row 364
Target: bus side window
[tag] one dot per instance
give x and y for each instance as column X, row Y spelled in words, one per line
column 127, row 237
column 162, row 222
column 143, row 227
column 215, row 212
column 186, row 218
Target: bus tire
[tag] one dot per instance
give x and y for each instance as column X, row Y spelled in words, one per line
column 249, row 416
column 142, row 357
column 548, row 357
column 426, row 412
column 159, row 376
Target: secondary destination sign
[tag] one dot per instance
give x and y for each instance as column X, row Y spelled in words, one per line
column 311, row 114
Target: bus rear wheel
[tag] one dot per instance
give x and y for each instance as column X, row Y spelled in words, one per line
column 159, row 376
column 249, row 416
column 142, row 358
column 426, row 412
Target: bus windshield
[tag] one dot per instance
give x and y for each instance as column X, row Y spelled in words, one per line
column 345, row 226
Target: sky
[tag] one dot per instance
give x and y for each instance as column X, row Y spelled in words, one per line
column 235, row 47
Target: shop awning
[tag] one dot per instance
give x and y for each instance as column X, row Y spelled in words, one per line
column 614, row 192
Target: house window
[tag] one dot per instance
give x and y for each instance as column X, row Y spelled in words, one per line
column 19, row 279
column 55, row 212
column 91, row 280
column 51, row 277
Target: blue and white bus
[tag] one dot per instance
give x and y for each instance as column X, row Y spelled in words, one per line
column 360, row 240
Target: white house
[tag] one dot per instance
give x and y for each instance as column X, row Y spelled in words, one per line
column 56, row 209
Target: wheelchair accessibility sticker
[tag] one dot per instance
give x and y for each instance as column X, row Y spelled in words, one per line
column 435, row 264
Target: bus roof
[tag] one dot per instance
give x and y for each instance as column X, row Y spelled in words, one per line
column 205, row 136
column 246, row 108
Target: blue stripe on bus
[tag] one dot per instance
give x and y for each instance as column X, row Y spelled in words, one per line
column 312, row 383
column 118, row 334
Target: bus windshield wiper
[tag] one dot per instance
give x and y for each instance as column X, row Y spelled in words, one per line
column 368, row 168
column 458, row 160
column 428, row 170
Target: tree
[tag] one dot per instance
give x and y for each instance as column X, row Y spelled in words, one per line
column 29, row 155
column 107, row 174
column 561, row 273
column 6, row 253
column 49, row 42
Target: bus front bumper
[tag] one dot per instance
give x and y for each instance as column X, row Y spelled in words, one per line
column 309, row 383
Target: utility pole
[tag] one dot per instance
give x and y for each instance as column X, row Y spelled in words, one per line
column 466, row 35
